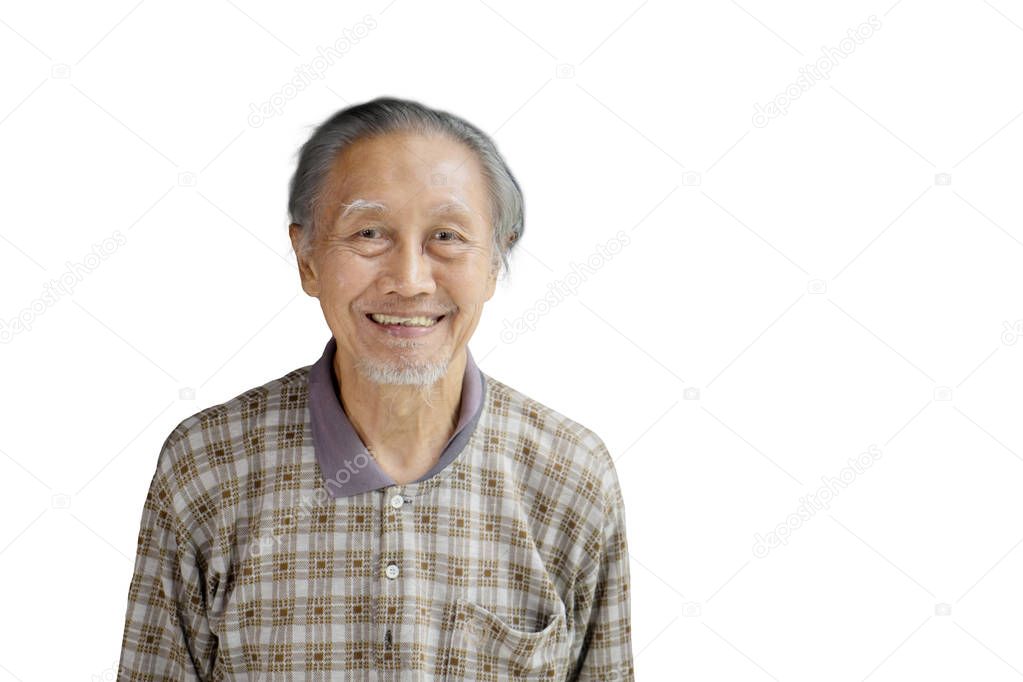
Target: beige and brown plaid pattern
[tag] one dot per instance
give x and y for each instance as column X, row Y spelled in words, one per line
column 510, row 563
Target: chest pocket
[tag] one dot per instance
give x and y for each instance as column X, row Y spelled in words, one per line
column 484, row 647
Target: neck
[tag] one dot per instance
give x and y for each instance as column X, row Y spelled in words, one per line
column 404, row 426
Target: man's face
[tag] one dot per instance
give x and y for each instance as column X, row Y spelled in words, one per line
column 405, row 230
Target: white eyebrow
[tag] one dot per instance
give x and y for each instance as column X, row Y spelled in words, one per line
column 456, row 205
column 361, row 205
column 357, row 205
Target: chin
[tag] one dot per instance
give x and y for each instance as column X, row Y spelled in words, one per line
column 426, row 373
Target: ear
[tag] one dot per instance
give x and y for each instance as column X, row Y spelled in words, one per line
column 495, row 269
column 306, row 267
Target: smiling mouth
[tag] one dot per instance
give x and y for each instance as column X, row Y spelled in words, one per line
column 398, row 321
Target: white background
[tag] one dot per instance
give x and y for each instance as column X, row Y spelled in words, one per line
column 846, row 276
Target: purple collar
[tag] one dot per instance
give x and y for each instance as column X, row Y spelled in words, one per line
column 344, row 461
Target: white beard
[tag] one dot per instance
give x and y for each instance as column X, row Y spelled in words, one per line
column 423, row 374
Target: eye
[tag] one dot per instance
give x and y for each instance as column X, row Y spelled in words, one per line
column 367, row 232
column 452, row 236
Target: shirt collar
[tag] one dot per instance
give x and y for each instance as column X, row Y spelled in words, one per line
column 344, row 461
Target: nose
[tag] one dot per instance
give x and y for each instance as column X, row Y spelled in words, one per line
column 408, row 271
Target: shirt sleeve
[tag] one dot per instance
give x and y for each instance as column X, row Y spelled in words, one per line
column 166, row 633
column 602, row 644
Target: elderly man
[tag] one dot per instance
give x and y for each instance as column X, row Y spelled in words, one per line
column 390, row 511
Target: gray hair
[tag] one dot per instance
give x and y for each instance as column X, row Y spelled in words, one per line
column 388, row 114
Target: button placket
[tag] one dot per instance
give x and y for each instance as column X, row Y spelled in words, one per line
column 391, row 547
column 397, row 501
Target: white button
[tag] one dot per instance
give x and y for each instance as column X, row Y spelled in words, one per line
column 397, row 501
column 392, row 571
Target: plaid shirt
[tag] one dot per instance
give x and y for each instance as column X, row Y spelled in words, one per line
column 272, row 547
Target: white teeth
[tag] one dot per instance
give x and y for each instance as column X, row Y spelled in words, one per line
column 404, row 321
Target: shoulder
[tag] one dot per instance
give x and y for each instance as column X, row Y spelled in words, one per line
column 552, row 453
column 212, row 440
